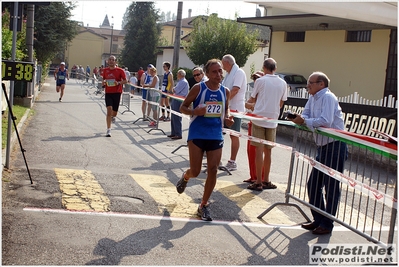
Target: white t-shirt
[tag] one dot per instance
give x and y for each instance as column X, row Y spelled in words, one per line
column 238, row 101
column 133, row 80
column 127, row 74
column 269, row 91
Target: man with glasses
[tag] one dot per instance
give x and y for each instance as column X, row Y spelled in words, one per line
column 323, row 110
column 181, row 89
column 198, row 76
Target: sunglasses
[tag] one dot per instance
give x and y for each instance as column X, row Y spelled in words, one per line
column 195, row 75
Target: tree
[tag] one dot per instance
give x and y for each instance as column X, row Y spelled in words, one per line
column 53, row 29
column 168, row 16
column 162, row 17
column 142, row 36
column 6, row 39
column 214, row 37
column 125, row 18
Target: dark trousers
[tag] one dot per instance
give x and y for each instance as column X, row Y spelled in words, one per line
column 332, row 155
column 175, row 121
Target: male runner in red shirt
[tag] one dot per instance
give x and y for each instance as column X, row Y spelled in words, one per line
column 113, row 80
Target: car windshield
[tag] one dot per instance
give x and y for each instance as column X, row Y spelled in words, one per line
column 295, row 79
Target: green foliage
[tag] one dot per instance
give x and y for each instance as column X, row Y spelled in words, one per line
column 18, row 112
column 53, row 29
column 163, row 41
column 6, row 39
column 214, row 37
column 142, row 36
column 252, row 69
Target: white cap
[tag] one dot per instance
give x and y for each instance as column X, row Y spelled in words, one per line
column 62, row 63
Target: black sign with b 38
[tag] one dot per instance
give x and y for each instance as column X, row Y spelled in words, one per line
column 17, row 71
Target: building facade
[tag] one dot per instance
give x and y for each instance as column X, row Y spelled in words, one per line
column 357, row 55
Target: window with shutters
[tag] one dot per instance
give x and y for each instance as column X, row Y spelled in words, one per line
column 358, row 36
column 295, row 36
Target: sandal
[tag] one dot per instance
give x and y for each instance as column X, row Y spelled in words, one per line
column 268, row 185
column 255, row 186
column 249, row 180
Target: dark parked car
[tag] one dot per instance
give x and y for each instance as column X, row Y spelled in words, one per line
column 294, row 81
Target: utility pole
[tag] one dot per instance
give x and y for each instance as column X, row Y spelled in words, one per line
column 112, row 36
column 176, row 50
column 11, row 97
column 29, row 41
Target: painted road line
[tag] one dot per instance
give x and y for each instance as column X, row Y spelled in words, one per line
column 173, row 219
column 81, row 191
column 251, row 204
column 164, row 193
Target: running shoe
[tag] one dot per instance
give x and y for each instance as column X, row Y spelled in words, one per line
column 231, row 166
column 152, row 124
column 162, row 118
column 60, row 99
column 167, row 119
column 181, row 184
column 113, row 120
column 204, row 213
column 108, row 133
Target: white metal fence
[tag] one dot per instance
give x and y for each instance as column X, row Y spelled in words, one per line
column 355, row 98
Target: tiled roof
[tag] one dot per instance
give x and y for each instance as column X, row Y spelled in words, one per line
column 186, row 22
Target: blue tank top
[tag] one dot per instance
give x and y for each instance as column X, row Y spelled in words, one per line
column 165, row 81
column 61, row 75
column 148, row 78
column 209, row 127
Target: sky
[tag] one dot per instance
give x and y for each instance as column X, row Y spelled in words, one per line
column 93, row 12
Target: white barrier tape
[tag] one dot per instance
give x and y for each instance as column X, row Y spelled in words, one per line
column 356, row 185
column 364, row 188
column 383, row 145
column 255, row 139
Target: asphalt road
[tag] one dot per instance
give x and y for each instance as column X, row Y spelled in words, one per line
column 112, row 201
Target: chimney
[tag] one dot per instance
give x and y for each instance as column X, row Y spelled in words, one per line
column 189, row 12
column 257, row 14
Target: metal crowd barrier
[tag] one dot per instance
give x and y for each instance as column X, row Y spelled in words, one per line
column 151, row 95
column 367, row 203
column 125, row 102
column 368, row 184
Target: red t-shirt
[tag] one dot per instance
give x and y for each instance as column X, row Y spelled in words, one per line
column 139, row 73
column 111, row 77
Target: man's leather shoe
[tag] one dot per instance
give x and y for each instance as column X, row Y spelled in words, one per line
column 321, row 231
column 176, row 137
column 171, row 135
column 309, row 226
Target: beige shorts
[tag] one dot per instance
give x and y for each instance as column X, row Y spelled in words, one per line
column 268, row 134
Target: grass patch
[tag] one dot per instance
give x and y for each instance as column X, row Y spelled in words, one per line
column 18, row 112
